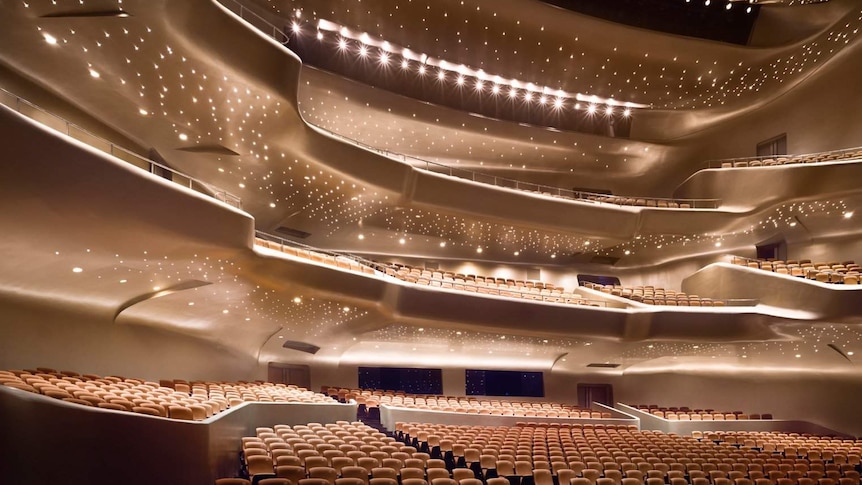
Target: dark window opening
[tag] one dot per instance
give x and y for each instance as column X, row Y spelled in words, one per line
column 505, row 383
column 409, row 380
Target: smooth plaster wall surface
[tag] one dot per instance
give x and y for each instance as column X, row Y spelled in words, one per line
column 40, row 336
column 820, row 114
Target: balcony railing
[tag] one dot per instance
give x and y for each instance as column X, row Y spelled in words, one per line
column 66, row 127
column 279, row 35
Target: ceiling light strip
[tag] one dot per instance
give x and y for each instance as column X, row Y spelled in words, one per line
column 460, row 69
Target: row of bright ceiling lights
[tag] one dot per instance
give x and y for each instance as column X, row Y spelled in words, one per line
column 729, row 5
column 462, row 72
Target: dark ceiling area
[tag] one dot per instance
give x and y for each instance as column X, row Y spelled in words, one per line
column 705, row 19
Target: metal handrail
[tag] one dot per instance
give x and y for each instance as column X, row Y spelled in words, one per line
column 436, row 167
column 277, row 33
column 51, row 120
column 335, row 254
column 382, row 267
column 843, row 154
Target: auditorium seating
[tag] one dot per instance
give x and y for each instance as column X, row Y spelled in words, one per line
column 846, row 272
column 825, row 450
column 469, row 405
column 175, row 399
column 529, row 290
column 593, row 455
column 683, row 413
column 331, row 259
column 850, row 154
column 331, row 452
column 489, row 285
column 652, row 295
column 626, row 200
column 641, row 201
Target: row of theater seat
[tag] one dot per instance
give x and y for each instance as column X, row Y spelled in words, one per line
column 330, row 452
column 342, row 262
column 687, row 414
column 537, row 291
column 470, row 405
column 168, row 399
column 830, row 449
column 642, row 456
column 621, row 199
column 642, row 202
column 790, row 160
column 847, row 272
column 530, row 290
column 651, row 295
column 543, row 455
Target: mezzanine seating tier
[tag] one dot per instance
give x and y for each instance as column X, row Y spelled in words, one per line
column 469, row 405
column 651, row 295
column 530, row 290
column 175, row 399
column 837, row 272
column 833, row 156
column 683, row 413
column 487, row 285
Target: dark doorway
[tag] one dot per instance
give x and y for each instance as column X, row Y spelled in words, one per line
column 299, row 375
column 590, row 393
column 772, row 250
column 773, row 146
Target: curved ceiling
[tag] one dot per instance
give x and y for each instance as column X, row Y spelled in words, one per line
column 576, row 53
column 161, row 77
